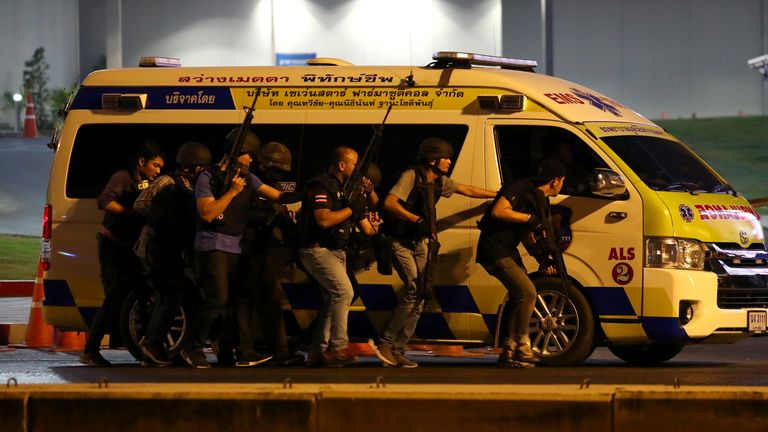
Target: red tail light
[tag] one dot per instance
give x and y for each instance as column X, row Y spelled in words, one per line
column 45, row 250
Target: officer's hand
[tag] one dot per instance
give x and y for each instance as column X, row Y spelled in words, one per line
column 367, row 185
column 358, row 204
column 533, row 222
column 423, row 228
column 238, row 183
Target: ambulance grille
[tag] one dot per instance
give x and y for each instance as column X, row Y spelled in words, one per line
column 742, row 275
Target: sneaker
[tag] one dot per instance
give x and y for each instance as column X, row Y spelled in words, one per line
column 316, row 359
column 505, row 357
column 94, row 359
column 341, row 358
column 514, row 364
column 525, row 354
column 252, row 358
column 405, row 362
column 384, row 353
column 196, row 358
column 156, row 353
column 287, row 360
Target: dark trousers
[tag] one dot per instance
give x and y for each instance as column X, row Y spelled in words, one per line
column 174, row 286
column 121, row 272
column 215, row 274
column 259, row 293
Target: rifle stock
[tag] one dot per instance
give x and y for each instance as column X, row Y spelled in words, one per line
column 433, row 247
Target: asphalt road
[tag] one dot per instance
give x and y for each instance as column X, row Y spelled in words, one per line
column 740, row 364
column 24, row 168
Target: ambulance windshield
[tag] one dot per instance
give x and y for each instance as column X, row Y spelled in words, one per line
column 666, row 165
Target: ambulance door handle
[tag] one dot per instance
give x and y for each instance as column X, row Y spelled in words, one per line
column 617, row 215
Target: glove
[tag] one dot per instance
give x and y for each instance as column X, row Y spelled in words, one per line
column 358, row 204
column 533, row 222
column 423, row 228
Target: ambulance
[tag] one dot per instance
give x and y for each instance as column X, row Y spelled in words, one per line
column 661, row 252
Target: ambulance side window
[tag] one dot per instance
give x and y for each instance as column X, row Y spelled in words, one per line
column 522, row 148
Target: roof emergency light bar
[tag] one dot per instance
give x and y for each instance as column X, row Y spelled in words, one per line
column 154, row 61
column 462, row 59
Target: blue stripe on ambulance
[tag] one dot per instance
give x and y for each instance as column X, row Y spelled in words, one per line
column 56, row 293
column 219, row 98
column 378, row 297
column 455, row 298
column 610, row 301
column 663, row 328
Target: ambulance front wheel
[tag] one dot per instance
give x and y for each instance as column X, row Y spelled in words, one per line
column 562, row 328
column 655, row 352
column 133, row 326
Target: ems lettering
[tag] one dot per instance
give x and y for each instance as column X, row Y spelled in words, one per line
column 619, row 254
column 564, row 98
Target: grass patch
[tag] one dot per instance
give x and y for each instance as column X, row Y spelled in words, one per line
column 19, row 256
column 736, row 147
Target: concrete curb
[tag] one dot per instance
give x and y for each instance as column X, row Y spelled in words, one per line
column 380, row 407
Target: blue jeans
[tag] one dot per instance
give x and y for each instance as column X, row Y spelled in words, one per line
column 409, row 260
column 329, row 268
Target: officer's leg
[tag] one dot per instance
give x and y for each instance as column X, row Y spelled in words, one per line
column 214, row 269
column 418, row 255
column 270, row 305
column 406, row 313
column 111, row 274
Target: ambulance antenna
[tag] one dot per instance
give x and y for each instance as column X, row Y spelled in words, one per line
column 409, row 79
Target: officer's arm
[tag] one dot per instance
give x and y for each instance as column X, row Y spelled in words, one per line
column 327, row 218
column 114, row 207
column 210, row 208
column 277, row 196
column 366, row 226
column 392, row 205
column 503, row 211
column 474, row 191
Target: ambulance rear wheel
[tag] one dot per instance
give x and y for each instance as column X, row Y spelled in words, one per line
column 655, row 352
column 562, row 328
column 133, row 326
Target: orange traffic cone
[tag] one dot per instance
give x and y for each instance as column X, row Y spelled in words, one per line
column 30, row 122
column 69, row 341
column 39, row 334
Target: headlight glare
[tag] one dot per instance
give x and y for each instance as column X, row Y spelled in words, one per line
column 675, row 253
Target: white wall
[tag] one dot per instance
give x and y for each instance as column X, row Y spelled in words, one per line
column 239, row 32
column 28, row 24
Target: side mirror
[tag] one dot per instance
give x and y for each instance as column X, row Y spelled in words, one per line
column 608, row 184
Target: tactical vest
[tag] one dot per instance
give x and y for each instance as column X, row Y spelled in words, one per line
column 234, row 220
column 309, row 232
column 416, row 203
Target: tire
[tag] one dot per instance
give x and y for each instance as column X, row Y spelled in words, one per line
column 562, row 330
column 133, row 327
column 647, row 354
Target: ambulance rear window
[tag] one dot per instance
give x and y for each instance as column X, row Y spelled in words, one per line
column 100, row 150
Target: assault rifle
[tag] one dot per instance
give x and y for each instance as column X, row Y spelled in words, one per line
column 545, row 244
column 226, row 175
column 433, row 246
column 354, row 186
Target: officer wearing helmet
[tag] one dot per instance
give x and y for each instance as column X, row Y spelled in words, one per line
column 406, row 211
column 166, row 243
column 223, row 211
column 259, row 292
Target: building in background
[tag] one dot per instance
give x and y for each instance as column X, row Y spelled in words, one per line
column 665, row 59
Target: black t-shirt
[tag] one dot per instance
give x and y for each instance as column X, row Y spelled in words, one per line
column 124, row 189
column 500, row 239
column 324, row 192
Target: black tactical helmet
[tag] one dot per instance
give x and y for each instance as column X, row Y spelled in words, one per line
column 274, row 154
column 434, row 148
column 193, row 153
column 251, row 145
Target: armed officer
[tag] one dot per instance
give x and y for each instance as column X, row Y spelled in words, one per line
column 325, row 226
column 223, row 221
column 514, row 215
column 166, row 245
column 259, row 291
column 407, row 213
column 121, row 270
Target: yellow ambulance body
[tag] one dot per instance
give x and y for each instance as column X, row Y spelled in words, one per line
column 661, row 252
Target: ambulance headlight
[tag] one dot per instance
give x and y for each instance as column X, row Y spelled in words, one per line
column 676, row 253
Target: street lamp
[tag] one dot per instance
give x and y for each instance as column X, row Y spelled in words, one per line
column 16, row 99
